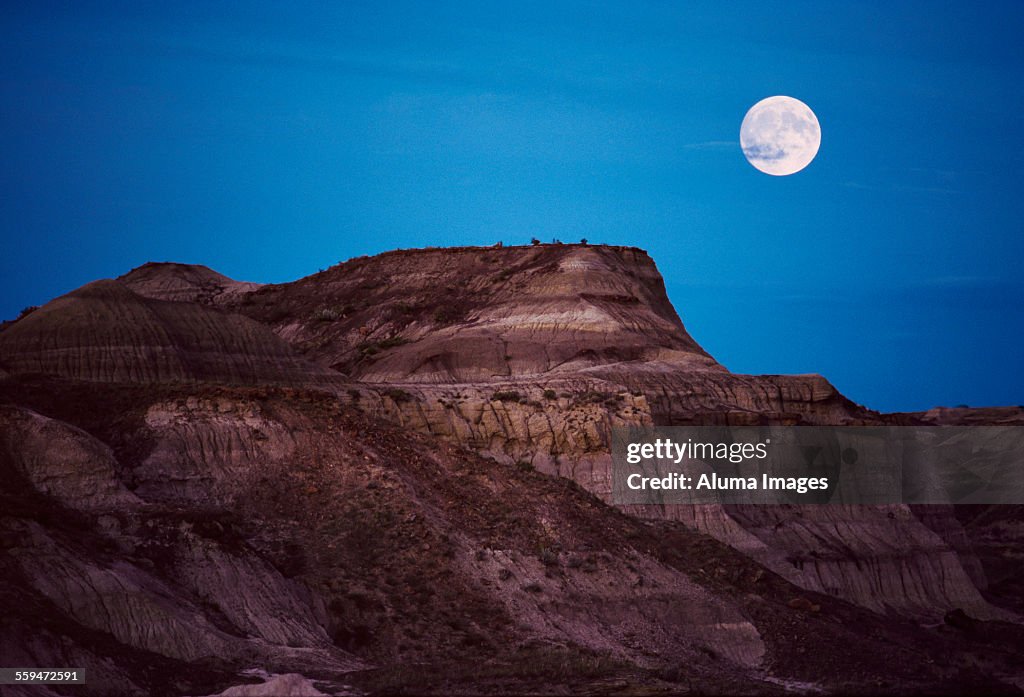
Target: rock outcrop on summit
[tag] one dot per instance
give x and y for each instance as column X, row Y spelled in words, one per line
column 403, row 460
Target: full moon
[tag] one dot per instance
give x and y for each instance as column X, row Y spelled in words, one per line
column 780, row 135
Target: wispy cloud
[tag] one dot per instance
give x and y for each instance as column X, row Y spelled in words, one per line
column 902, row 188
column 712, row 145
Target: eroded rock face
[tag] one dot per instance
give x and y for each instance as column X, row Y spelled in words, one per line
column 681, row 398
column 116, row 566
column 120, row 599
column 632, row 601
column 344, row 534
column 62, row 461
column 881, row 557
column 104, row 332
column 201, row 450
column 299, row 530
column 889, row 559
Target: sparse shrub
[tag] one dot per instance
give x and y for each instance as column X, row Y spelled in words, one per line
column 583, row 241
column 355, row 637
column 398, row 395
column 550, row 394
column 25, row 312
column 371, row 348
column 533, row 587
column 291, row 560
column 506, row 396
column 355, row 394
column 548, row 556
column 594, row 397
column 393, row 341
column 474, row 639
column 525, row 466
column 534, row 241
column 326, row 314
column 672, row 674
column 371, row 284
column 504, row 575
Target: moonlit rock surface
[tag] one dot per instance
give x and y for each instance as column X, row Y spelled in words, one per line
column 293, row 480
column 780, row 135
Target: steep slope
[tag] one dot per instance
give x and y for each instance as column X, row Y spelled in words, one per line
column 885, row 558
column 351, row 543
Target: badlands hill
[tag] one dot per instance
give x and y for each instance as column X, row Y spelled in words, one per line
column 392, row 476
column 104, row 332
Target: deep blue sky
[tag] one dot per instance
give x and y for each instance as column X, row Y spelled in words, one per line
column 272, row 141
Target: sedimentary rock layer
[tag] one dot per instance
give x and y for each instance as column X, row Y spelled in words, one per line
column 325, row 528
column 105, row 332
